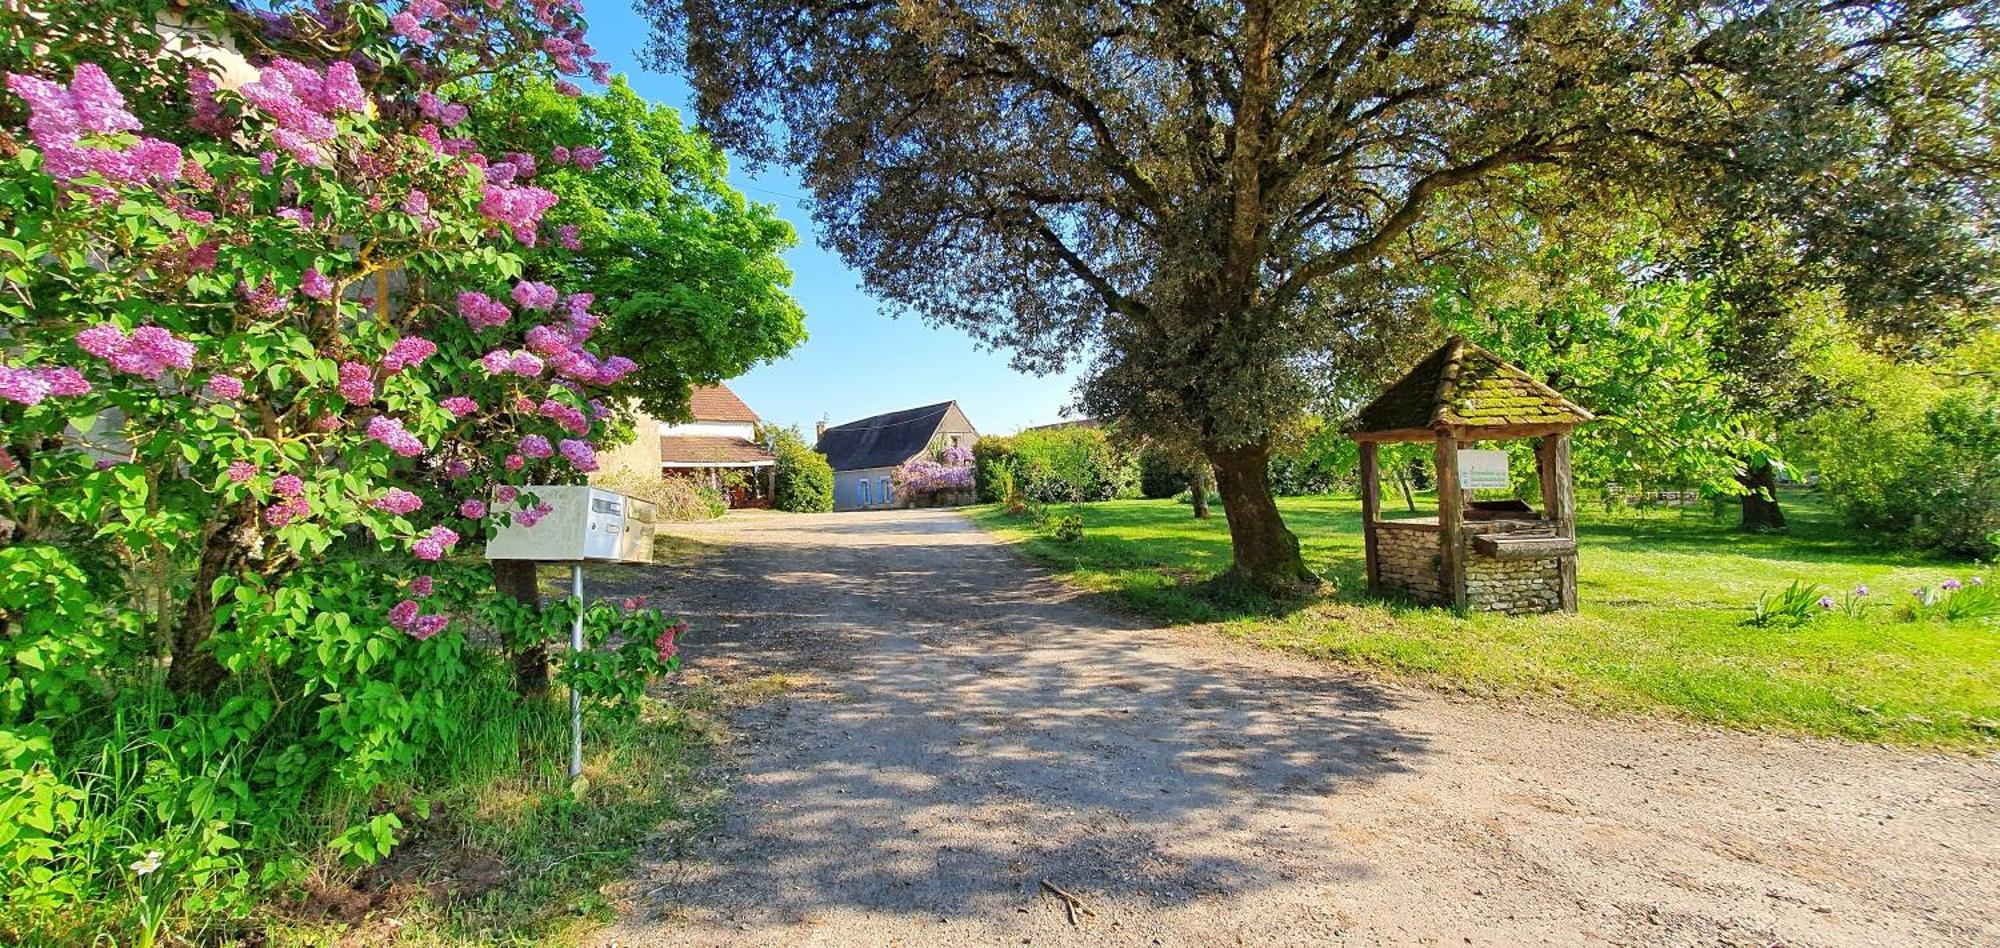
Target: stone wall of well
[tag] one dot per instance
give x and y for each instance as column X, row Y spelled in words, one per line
column 1406, row 560
column 1406, row 556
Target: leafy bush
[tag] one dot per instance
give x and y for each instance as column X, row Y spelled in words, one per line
column 1162, row 473
column 1926, row 470
column 804, row 478
column 1067, row 528
column 273, row 355
column 1056, row 465
column 993, row 460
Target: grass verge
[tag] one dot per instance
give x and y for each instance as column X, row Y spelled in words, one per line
column 1663, row 597
column 509, row 856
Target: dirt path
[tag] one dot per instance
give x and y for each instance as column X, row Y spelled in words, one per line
column 971, row 729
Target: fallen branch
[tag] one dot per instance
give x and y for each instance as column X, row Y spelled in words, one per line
column 1071, row 903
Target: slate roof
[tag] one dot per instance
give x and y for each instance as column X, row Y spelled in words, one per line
column 676, row 449
column 1463, row 386
column 718, row 403
column 882, row 441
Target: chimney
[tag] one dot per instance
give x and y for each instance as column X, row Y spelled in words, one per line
column 819, row 433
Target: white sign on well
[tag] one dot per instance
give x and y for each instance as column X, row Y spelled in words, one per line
column 1482, row 469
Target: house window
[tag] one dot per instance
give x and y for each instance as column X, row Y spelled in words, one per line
column 885, row 491
column 861, row 492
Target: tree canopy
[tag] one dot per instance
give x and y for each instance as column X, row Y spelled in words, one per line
column 1211, row 200
column 688, row 272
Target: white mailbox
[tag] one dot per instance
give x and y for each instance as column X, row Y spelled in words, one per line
column 583, row 523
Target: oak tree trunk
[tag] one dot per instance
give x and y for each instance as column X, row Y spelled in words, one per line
column 1760, row 498
column 1266, row 554
column 516, row 579
column 1198, row 491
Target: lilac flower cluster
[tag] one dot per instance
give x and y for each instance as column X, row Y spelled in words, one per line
column 29, row 386
column 459, row 406
column 408, row 351
column 223, row 387
column 148, row 352
column 357, row 383
column 482, row 311
column 60, row 116
column 518, row 209
column 240, row 472
column 535, row 446
column 398, row 501
column 579, row 454
column 390, row 432
column 302, row 102
column 405, row 616
column 531, row 295
column 315, row 285
column 293, row 503
column 533, row 515
column 445, row 113
column 512, row 361
column 569, row 418
column 472, row 509
column 434, row 544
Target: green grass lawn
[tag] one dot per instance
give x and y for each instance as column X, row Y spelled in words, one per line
column 1663, row 598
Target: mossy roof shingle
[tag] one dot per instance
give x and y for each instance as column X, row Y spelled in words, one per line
column 1463, row 386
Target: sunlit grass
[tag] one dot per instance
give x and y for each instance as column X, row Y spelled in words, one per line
column 1663, row 598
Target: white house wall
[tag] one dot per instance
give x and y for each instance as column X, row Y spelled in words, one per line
column 710, row 429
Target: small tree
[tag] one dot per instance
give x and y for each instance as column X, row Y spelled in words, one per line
column 804, row 479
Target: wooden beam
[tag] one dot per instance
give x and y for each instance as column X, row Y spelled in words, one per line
column 1399, row 434
column 1559, row 506
column 1451, row 522
column 1371, row 511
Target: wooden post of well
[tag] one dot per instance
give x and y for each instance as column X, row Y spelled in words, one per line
column 1559, row 505
column 1371, row 511
column 1451, row 523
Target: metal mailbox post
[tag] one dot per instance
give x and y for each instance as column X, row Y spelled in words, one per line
column 584, row 524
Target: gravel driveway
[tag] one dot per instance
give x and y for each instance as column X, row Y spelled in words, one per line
column 970, row 728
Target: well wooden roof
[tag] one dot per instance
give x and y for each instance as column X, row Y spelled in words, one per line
column 718, row 403
column 1465, row 388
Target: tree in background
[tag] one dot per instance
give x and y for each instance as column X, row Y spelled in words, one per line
column 689, row 273
column 803, row 479
column 1211, row 198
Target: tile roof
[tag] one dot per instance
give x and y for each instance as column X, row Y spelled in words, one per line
column 1463, row 386
column 676, row 449
column 884, row 440
column 718, row 403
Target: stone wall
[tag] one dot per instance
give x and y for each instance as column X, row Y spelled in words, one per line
column 1406, row 558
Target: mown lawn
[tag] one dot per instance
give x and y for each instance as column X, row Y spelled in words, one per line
column 1664, row 597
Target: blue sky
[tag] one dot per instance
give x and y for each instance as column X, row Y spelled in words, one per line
column 858, row 361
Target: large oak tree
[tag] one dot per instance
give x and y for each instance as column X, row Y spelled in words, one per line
column 1207, row 201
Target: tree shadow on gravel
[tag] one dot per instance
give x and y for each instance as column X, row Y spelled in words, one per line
column 980, row 728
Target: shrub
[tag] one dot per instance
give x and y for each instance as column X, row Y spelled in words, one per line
column 679, row 498
column 1162, row 473
column 275, row 357
column 1067, row 528
column 804, row 479
column 1053, row 466
column 993, row 460
column 1924, row 469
